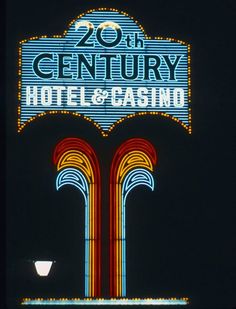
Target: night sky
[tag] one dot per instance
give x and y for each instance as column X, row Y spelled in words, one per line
column 180, row 237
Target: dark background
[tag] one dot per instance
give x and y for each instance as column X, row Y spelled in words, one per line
column 181, row 239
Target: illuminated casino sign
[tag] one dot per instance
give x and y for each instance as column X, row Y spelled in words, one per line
column 105, row 69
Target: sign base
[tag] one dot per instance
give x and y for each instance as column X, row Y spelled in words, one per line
column 103, row 301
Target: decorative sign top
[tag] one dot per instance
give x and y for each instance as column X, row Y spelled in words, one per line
column 105, row 69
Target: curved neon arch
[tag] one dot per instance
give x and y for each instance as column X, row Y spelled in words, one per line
column 77, row 165
column 133, row 179
column 131, row 166
column 72, row 176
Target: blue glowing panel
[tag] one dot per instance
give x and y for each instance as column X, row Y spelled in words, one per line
column 104, row 68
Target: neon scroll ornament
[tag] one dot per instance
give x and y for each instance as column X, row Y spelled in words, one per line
column 78, row 166
column 105, row 69
column 131, row 166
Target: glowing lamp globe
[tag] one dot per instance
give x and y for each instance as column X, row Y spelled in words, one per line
column 43, row 267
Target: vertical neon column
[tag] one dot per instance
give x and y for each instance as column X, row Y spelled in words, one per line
column 77, row 165
column 131, row 166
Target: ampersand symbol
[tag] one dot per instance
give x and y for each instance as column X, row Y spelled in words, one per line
column 99, row 96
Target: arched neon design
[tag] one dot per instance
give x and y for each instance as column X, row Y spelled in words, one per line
column 72, row 176
column 133, row 179
column 132, row 160
column 77, row 164
column 77, row 159
column 131, row 166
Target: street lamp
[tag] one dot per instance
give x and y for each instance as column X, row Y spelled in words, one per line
column 43, row 267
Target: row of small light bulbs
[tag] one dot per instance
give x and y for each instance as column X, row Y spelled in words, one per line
column 102, row 299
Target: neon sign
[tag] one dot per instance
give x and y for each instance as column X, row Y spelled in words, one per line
column 78, row 166
column 131, row 166
column 105, row 69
